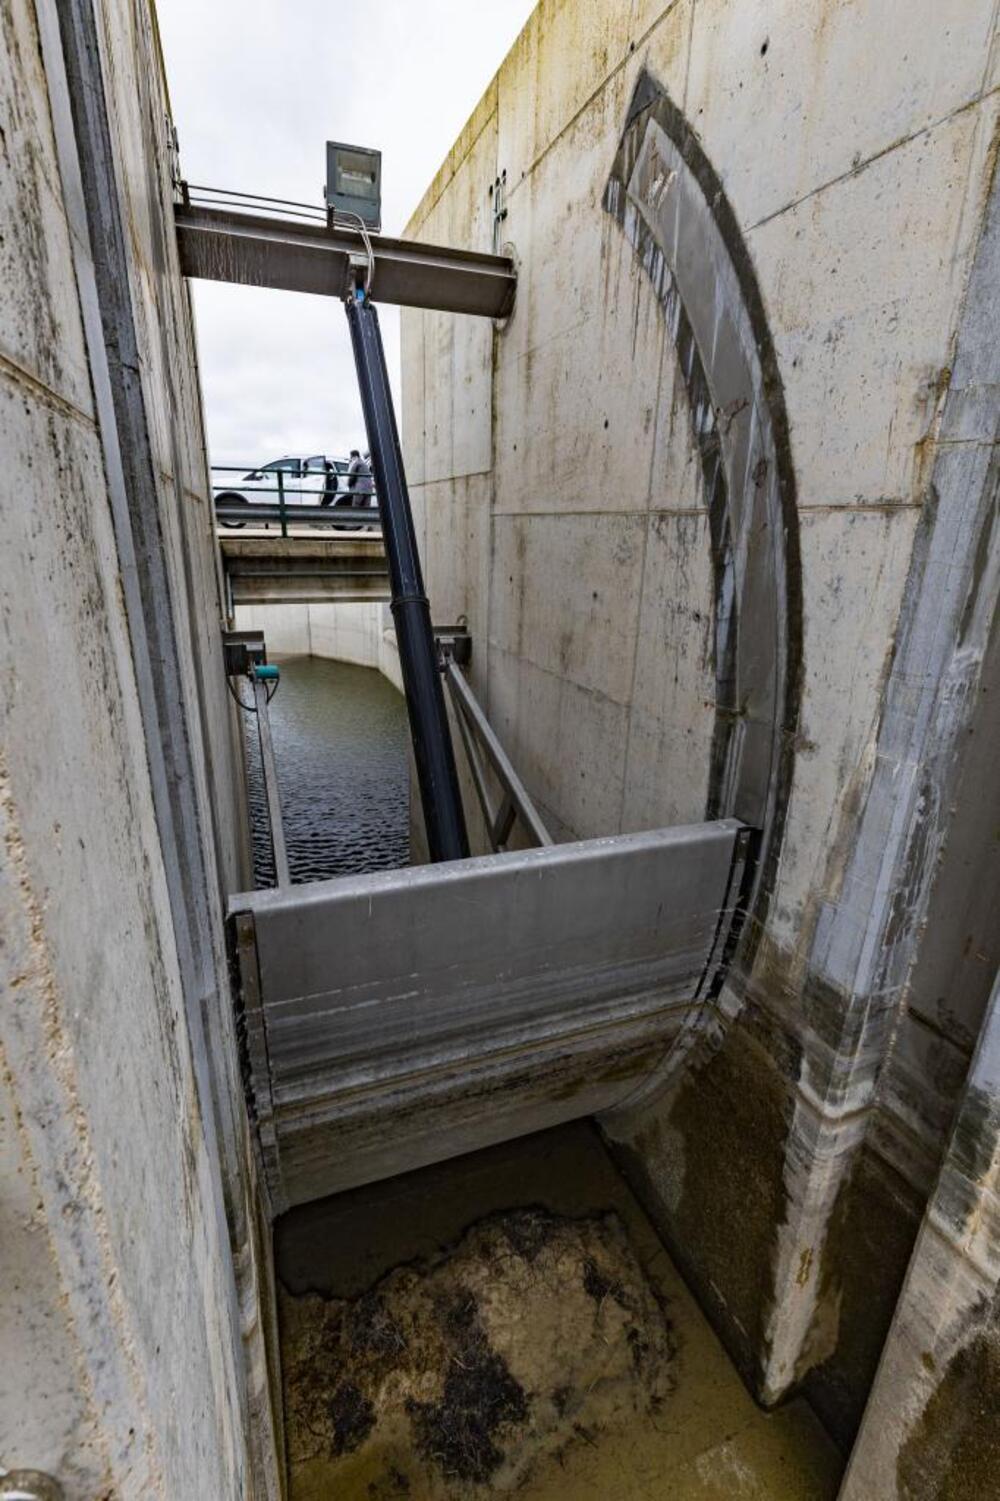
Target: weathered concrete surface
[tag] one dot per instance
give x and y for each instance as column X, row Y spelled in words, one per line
column 286, row 627
column 362, row 634
column 134, row 1316
column 567, row 509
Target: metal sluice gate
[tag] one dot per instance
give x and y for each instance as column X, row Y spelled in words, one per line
column 399, row 1018
column 395, row 1019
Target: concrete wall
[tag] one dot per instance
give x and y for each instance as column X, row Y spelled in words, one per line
column 134, row 1325
column 286, row 627
column 716, row 501
column 359, row 633
column 356, row 633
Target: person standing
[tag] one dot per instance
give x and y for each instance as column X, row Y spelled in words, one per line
column 330, row 483
column 359, row 479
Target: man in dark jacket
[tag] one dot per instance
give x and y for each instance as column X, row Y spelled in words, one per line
column 359, row 479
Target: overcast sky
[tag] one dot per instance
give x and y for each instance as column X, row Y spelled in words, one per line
column 257, row 88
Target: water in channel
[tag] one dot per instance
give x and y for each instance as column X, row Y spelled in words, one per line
column 339, row 736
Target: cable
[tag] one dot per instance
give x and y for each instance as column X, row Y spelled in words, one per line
column 250, row 708
column 247, row 708
column 346, row 213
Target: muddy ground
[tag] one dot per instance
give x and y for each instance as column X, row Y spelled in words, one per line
column 531, row 1335
column 508, row 1323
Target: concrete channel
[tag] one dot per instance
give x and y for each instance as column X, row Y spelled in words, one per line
column 652, row 1149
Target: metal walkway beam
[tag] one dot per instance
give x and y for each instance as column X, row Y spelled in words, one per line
column 218, row 245
column 399, row 1018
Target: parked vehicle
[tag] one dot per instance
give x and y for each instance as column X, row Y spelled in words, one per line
column 313, row 480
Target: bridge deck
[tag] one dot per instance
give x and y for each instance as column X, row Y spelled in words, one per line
column 308, row 568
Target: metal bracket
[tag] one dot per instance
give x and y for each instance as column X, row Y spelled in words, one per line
column 241, row 651
column 454, row 644
column 498, row 193
column 356, row 274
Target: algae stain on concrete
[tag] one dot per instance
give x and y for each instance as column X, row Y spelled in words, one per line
column 721, row 1139
column 954, row 1452
column 870, row 1237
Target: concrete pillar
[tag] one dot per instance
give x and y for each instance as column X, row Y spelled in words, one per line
column 932, row 1425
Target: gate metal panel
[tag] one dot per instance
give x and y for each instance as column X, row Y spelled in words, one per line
column 407, row 1016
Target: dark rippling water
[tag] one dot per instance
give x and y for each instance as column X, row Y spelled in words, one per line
column 340, row 745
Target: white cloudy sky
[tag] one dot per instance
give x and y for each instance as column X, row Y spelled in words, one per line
column 257, row 87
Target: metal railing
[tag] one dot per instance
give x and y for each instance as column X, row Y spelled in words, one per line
column 327, row 508
column 479, row 742
column 199, row 195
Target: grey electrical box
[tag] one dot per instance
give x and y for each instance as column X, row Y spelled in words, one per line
column 354, row 182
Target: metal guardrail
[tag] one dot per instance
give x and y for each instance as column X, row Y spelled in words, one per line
column 320, row 511
column 199, row 195
column 286, row 516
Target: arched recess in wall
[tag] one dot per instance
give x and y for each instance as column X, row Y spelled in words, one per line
column 670, row 203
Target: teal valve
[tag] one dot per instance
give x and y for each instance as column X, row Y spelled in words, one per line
column 266, row 672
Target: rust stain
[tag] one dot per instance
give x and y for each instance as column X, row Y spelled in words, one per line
column 805, row 1266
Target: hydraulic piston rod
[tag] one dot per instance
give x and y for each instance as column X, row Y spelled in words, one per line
column 432, row 748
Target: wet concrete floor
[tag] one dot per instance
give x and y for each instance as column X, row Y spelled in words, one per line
column 509, row 1321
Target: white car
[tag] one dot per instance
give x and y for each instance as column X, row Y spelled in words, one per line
column 313, row 480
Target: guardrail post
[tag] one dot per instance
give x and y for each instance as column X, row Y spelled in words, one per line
column 281, row 503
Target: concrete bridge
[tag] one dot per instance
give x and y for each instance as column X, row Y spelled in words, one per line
column 264, row 568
